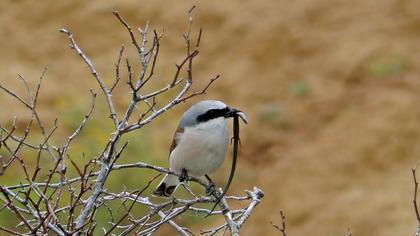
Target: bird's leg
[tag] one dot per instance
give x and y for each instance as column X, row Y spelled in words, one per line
column 184, row 175
column 211, row 187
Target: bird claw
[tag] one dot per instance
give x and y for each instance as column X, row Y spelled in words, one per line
column 211, row 188
column 184, row 175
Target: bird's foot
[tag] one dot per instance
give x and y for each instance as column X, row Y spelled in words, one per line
column 211, row 187
column 184, row 175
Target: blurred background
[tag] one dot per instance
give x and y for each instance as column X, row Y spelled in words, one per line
column 331, row 88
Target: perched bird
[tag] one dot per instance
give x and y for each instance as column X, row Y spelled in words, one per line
column 199, row 145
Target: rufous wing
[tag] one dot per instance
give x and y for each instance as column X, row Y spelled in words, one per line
column 179, row 131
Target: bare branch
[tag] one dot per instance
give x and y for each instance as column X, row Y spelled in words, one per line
column 117, row 70
column 10, row 231
column 79, row 129
column 416, row 210
column 95, row 74
column 15, row 96
column 133, row 39
column 282, row 228
column 204, row 90
column 178, row 228
column 131, row 206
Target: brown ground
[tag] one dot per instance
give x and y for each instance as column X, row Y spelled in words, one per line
column 331, row 89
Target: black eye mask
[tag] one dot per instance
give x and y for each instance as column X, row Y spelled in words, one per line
column 211, row 114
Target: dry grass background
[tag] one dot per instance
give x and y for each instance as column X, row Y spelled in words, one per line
column 332, row 89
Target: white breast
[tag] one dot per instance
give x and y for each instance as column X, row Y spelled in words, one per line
column 202, row 148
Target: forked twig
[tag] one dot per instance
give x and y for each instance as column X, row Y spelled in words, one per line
column 281, row 228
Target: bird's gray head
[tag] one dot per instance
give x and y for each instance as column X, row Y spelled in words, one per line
column 207, row 110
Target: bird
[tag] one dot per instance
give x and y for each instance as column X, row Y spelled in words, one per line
column 199, row 144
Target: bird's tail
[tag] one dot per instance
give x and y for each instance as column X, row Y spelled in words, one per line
column 167, row 186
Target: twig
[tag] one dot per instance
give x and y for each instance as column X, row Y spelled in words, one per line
column 79, row 129
column 282, row 229
column 132, row 205
column 178, row 228
column 106, row 92
column 133, row 39
column 415, row 196
column 117, row 70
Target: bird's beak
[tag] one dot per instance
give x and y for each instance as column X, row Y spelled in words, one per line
column 235, row 112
